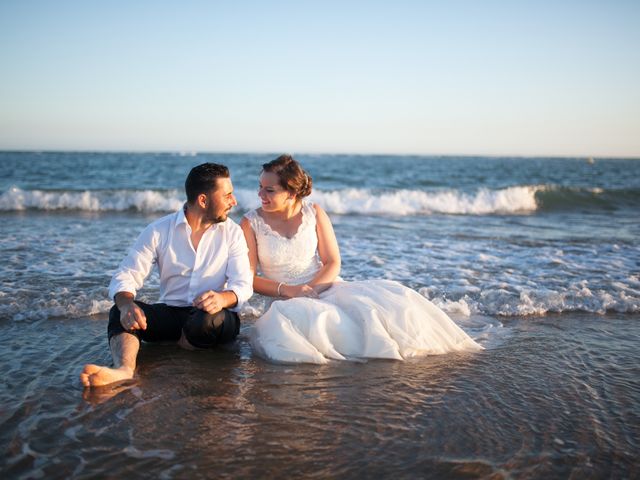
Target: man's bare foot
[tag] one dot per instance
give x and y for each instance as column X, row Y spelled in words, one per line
column 97, row 376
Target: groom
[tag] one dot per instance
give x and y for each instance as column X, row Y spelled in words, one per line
column 205, row 278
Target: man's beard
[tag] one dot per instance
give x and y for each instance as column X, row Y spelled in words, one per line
column 213, row 218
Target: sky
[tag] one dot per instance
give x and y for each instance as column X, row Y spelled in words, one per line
column 528, row 78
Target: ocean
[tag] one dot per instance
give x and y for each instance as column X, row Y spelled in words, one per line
column 538, row 259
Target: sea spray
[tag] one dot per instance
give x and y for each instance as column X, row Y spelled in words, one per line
column 522, row 199
column 16, row 199
column 417, row 202
column 348, row 201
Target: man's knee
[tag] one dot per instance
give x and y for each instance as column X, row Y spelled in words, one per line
column 204, row 330
column 115, row 327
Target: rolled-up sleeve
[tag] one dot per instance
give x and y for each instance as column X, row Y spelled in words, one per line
column 239, row 274
column 135, row 268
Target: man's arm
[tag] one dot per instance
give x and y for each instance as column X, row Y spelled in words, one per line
column 136, row 266
column 129, row 278
column 239, row 273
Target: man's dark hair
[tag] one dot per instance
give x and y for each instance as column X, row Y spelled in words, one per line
column 203, row 179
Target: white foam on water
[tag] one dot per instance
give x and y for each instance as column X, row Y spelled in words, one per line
column 98, row 306
column 489, row 302
column 247, row 199
column 536, row 302
column 16, row 199
column 53, row 304
column 460, row 307
column 520, row 199
column 63, row 270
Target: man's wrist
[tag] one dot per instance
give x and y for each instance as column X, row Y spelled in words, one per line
column 229, row 299
column 123, row 299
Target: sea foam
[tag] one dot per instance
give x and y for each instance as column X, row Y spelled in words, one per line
column 488, row 302
column 16, row 199
column 532, row 302
column 417, row 202
column 520, row 199
column 483, row 201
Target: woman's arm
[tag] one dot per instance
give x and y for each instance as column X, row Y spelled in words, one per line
column 328, row 250
column 329, row 256
column 261, row 285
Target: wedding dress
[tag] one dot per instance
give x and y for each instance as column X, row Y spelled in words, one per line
column 360, row 319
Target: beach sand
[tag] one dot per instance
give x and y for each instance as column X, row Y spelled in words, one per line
column 550, row 397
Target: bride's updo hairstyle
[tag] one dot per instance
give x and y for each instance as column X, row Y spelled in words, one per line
column 292, row 177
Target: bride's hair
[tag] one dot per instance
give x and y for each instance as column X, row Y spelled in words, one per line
column 292, row 177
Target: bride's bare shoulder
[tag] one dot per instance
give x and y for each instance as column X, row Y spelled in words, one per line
column 318, row 209
column 245, row 223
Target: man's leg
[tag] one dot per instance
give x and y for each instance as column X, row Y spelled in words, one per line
column 124, row 350
column 163, row 324
column 204, row 330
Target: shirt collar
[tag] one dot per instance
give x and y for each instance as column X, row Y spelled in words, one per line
column 181, row 219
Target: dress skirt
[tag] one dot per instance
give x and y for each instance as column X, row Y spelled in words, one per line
column 361, row 319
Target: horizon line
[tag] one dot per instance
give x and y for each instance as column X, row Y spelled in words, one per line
column 195, row 152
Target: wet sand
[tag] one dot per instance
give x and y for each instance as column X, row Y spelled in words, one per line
column 550, row 397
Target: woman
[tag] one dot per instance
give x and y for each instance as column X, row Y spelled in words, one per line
column 314, row 315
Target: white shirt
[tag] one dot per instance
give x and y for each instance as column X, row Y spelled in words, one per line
column 220, row 263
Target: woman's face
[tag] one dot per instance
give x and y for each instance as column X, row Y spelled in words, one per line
column 274, row 198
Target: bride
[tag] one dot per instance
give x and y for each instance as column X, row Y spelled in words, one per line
column 314, row 315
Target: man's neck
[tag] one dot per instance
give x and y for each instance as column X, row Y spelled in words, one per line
column 195, row 218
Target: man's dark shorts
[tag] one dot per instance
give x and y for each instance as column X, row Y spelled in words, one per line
column 166, row 323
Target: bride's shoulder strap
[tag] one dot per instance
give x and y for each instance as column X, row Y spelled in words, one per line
column 254, row 219
column 308, row 214
column 309, row 209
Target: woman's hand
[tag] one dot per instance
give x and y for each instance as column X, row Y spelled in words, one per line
column 291, row 291
column 321, row 287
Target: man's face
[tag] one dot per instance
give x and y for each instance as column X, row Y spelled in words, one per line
column 220, row 201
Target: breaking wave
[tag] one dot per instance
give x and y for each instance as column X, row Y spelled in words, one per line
column 417, row 202
column 511, row 200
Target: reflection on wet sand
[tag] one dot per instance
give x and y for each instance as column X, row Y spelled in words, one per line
column 545, row 402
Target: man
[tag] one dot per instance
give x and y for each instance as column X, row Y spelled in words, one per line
column 205, row 278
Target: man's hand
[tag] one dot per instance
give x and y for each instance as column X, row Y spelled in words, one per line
column 210, row 301
column 132, row 317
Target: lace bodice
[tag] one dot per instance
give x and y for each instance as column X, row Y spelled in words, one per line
column 291, row 260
